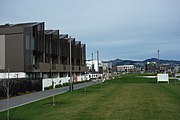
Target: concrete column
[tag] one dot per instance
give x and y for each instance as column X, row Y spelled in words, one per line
column 44, row 57
column 59, row 61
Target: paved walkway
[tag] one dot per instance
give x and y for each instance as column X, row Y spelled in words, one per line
column 29, row 98
column 174, row 78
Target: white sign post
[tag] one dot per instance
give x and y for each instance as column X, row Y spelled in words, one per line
column 162, row 78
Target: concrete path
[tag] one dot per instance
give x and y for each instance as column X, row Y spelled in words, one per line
column 29, row 98
column 174, row 78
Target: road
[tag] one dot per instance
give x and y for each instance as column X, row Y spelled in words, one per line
column 29, row 98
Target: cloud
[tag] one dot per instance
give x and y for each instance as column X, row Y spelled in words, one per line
column 118, row 28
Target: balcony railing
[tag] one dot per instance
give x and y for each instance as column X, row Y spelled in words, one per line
column 42, row 67
column 46, row 67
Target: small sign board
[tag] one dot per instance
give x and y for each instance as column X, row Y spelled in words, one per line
column 162, row 78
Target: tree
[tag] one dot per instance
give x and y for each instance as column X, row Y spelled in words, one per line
column 8, row 86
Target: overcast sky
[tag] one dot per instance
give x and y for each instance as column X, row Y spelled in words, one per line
column 125, row 29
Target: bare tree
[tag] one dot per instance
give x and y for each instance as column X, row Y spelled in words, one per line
column 8, row 86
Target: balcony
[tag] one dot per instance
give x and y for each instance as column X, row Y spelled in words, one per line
column 45, row 67
column 41, row 67
column 62, row 68
column 79, row 69
column 83, row 69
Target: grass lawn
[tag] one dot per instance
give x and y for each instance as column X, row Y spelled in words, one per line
column 125, row 98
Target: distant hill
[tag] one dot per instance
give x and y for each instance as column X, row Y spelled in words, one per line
column 142, row 63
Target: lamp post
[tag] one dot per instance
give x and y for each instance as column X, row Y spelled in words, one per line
column 158, row 62
column 53, row 103
column 158, row 54
column 8, row 87
column 70, row 66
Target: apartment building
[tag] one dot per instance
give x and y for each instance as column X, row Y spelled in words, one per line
column 39, row 53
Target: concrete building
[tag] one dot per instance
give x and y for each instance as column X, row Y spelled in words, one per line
column 152, row 67
column 177, row 68
column 107, row 69
column 93, row 65
column 39, row 53
column 125, row 68
column 101, row 69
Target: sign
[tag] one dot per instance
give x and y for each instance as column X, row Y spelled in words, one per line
column 162, row 78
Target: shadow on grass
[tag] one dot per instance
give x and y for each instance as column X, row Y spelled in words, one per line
column 56, row 104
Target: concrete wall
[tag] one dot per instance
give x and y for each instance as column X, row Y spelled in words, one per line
column 57, row 81
column 2, row 52
column 14, row 48
column 12, row 75
column 60, row 80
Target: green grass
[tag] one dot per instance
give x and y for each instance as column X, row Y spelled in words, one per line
column 128, row 97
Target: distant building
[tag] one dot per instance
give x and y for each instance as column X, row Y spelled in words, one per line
column 152, row 67
column 125, row 68
column 138, row 69
column 177, row 69
column 166, row 68
column 94, row 66
column 104, row 69
column 107, row 69
column 107, row 66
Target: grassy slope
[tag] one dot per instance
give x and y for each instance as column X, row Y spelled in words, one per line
column 125, row 98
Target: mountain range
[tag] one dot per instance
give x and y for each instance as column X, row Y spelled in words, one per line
column 142, row 63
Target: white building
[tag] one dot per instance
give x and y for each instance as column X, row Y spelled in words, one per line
column 93, row 64
column 177, row 68
column 125, row 68
column 104, row 69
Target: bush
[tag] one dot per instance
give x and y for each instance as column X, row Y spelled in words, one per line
column 48, row 88
column 58, row 86
column 66, row 84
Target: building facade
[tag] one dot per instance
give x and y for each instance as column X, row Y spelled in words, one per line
column 39, row 53
column 125, row 68
column 152, row 67
column 94, row 66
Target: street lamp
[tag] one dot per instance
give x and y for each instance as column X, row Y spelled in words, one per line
column 70, row 66
column 158, row 62
column 51, row 71
column 8, row 88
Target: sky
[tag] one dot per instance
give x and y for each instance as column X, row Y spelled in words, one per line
column 124, row 29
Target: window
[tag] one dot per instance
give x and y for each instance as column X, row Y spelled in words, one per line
column 32, row 43
column 33, row 60
column 27, row 39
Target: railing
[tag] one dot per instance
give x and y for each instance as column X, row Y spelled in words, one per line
column 45, row 67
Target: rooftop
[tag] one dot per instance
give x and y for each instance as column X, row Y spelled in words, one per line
column 20, row 24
